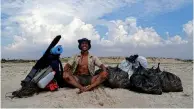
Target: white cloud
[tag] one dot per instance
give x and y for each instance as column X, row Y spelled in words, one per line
column 176, row 39
column 125, row 38
column 58, row 10
column 38, row 35
column 33, row 24
column 188, row 28
column 128, row 32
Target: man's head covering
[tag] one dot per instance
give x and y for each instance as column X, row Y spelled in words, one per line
column 84, row 39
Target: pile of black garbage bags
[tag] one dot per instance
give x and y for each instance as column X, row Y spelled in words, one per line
column 143, row 80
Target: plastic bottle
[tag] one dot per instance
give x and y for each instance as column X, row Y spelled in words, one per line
column 44, row 81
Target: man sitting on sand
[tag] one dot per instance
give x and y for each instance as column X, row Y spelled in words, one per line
column 79, row 71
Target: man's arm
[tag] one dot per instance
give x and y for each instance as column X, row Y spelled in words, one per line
column 99, row 63
column 103, row 67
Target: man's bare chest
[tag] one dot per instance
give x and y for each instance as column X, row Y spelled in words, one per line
column 83, row 61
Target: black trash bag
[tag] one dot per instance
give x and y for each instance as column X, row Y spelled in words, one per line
column 169, row 82
column 145, row 81
column 132, row 58
column 155, row 71
column 116, row 78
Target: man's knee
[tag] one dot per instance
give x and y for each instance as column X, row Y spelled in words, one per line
column 66, row 76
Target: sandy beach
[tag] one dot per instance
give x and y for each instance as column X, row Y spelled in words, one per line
column 13, row 73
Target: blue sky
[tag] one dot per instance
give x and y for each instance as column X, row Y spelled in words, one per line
column 162, row 22
column 140, row 26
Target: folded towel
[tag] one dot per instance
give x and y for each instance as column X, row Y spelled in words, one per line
column 57, row 50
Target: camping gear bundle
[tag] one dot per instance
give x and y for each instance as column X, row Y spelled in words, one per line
column 46, row 74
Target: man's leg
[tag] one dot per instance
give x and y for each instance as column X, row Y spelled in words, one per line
column 97, row 80
column 73, row 80
column 94, row 78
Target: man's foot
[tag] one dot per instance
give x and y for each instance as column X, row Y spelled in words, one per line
column 86, row 88
column 81, row 90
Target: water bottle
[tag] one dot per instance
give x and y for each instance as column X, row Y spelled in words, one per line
column 44, row 81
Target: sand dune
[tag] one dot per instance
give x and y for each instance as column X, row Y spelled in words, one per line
column 13, row 73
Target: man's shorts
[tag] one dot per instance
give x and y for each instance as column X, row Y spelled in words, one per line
column 84, row 79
